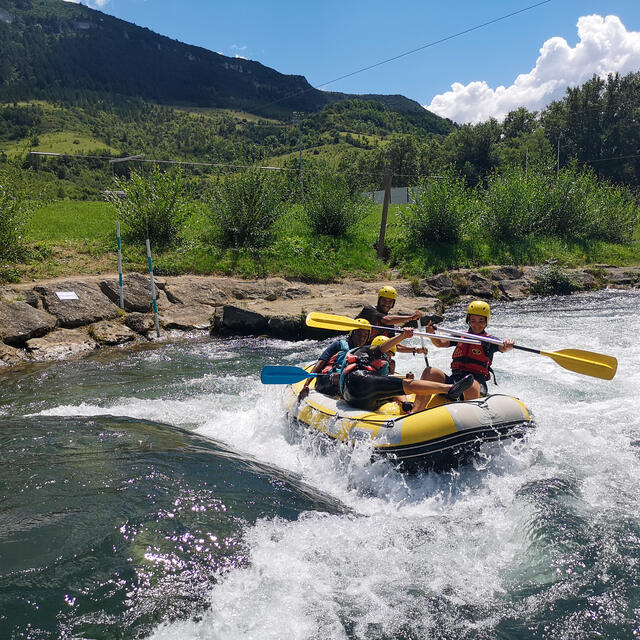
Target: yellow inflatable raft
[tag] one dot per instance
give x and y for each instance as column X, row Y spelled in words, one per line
column 445, row 434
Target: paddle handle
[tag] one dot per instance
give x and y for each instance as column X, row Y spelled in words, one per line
column 428, row 335
column 529, row 349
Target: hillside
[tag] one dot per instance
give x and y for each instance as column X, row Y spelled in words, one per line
column 55, row 50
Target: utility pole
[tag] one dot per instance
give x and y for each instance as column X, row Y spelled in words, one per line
column 297, row 117
column 388, row 174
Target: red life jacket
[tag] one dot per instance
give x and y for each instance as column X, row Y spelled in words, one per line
column 471, row 358
column 379, row 366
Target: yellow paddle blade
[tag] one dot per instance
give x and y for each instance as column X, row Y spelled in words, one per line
column 596, row 365
column 334, row 323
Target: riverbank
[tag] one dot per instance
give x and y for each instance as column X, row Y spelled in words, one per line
column 71, row 317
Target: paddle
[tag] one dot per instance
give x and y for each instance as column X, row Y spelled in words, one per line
column 342, row 323
column 284, row 375
column 588, row 363
column 426, row 357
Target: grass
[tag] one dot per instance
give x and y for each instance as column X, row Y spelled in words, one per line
column 75, row 237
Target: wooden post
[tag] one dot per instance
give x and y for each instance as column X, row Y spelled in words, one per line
column 388, row 174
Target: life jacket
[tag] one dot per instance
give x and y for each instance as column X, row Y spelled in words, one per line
column 336, row 361
column 360, row 358
column 472, row 358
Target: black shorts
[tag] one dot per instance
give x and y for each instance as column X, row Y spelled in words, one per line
column 325, row 385
column 458, row 375
column 366, row 391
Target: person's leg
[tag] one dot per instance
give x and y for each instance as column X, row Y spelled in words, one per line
column 425, row 388
column 473, row 391
column 430, row 374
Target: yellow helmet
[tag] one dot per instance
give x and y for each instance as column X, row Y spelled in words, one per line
column 479, row 308
column 366, row 325
column 388, row 292
column 380, row 340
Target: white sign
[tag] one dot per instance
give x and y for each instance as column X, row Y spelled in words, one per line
column 67, row 295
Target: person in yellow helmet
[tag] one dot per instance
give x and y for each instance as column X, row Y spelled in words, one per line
column 467, row 358
column 331, row 359
column 379, row 315
column 365, row 382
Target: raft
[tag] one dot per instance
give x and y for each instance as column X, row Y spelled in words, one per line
column 445, row 434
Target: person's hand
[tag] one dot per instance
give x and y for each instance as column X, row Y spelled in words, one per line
column 417, row 315
column 507, row 344
column 409, row 376
column 430, row 328
column 304, row 392
column 407, row 332
column 422, row 350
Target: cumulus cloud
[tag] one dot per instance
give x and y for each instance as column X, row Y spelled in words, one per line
column 95, row 4
column 605, row 46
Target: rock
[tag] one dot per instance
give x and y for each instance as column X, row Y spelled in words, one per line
column 20, row 322
column 110, row 332
column 440, row 286
column 582, row 279
column 10, row 357
column 61, row 344
column 621, row 276
column 471, row 283
column 196, row 290
column 514, row 289
column 196, row 316
column 506, row 273
column 140, row 322
column 91, row 306
column 433, row 308
column 231, row 320
column 287, row 327
column 136, row 290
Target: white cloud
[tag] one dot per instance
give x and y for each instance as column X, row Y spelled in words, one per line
column 605, row 47
column 95, row 4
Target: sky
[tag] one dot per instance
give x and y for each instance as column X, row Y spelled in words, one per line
column 458, row 68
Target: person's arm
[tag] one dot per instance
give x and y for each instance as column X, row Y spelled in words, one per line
column 407, row 332
column 438, row 342
column 405, row 349
column 391, row 320
column 318, row 366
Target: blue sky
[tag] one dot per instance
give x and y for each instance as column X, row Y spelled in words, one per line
column 323, row 41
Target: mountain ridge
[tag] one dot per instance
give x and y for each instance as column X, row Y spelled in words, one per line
column 56, row 49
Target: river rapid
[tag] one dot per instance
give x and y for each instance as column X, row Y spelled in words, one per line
column 160, row 493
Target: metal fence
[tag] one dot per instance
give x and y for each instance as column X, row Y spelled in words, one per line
column 399, row 195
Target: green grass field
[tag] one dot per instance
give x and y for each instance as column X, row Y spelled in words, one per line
column 74, row 237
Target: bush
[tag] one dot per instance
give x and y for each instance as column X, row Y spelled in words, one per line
column 514, row 205
column 15, row 210
column 155, row 204
column 551, row 280
column 331, row 207
column 244, row 206
column 440, row 210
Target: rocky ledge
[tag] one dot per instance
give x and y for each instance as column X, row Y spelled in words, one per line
column 60, row 318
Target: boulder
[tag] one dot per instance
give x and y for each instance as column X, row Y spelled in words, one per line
column 61, row 343
column 286, row 327
column 187, row 318
column 136, row 290
column 140, row 322
column 91, row 306
column 10, row 357
column 231, row 320
column 440, row 286
column 514, row 289
column 190, row 290
column 507, row 272
column 110, row 332
column 471, row 283
column 20, row 322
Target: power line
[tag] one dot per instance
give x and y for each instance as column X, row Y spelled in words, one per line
column 407, row 53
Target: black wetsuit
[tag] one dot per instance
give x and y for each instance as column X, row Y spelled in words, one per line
column 366, row 389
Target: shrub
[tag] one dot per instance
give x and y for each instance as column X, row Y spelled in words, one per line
column 551, row 280
column 514, row 205
column 15, row 210
column 154, row 204
column 331, row 207
column 440, row 209
column 245, row 205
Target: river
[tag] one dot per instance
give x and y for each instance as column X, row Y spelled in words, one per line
column 158, row 493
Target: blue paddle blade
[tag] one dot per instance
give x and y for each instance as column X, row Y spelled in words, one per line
column 284, row 375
